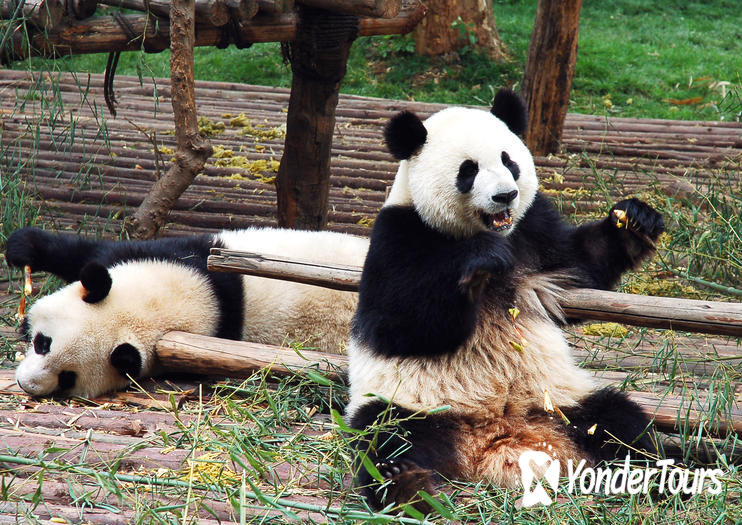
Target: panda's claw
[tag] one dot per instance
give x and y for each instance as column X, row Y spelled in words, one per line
column 640, row 218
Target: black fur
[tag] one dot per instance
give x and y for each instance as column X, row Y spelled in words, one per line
column 42, row 344
column 511, row 165
column 66, row 380
column 511, row 109
column 413, row 453
column 404, row 135
column 467, row 173
column 127, row 360
column 65, row 255
column 96, row 281
column 620, row 422
column 420, row 290
column 595, row 254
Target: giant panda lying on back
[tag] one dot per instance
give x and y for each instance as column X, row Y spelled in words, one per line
column 86, row 338
column 463, row 243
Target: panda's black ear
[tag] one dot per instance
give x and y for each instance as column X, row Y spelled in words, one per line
column 96, row 281
column 511, row 109
column 404, row 135
column 127, row 360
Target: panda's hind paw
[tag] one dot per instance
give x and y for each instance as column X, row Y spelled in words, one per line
column 22, row 248
column 406, row 478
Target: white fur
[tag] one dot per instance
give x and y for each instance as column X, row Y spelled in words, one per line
column 485, row 373
column 428, row 180
column 148, row 299
column 276, row 310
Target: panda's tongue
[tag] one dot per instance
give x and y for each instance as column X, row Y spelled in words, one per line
column 501, row 219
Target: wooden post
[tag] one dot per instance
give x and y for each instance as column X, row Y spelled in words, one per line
column 318, row 57
column 550, row 67
column 193, row 149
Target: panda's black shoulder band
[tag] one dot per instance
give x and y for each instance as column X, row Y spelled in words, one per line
column 404, row 135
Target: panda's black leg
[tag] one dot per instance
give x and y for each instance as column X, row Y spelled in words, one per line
column 60, row 254
column 608, row 425
column 411, row 454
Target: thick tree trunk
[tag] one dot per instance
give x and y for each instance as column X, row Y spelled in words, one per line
column 193, row 149
column 547, row 82
column 319, row 55
column 450, row 25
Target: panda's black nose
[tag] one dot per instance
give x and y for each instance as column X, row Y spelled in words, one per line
column 505, row 197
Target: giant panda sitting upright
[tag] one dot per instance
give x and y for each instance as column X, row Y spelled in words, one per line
column 459, row 307
column 88, row 336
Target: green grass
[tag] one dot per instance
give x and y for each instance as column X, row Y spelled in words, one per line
column 674, row 59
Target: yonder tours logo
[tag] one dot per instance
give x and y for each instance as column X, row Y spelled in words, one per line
column 537, row 469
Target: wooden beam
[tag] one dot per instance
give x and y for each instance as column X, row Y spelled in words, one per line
column 214, row 12
column 184, row 352
column 709, row 317
column 372, row 8
column 105, row 34
column 547, row 81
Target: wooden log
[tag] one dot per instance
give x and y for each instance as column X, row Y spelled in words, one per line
column 371, row 8
column 303, row 179
column 656, row 312
column 550, row 66
column 183, row 352
column 104, row 34
column 275, row 7
column 213, row 12
column 242, row 11
column 43, row 14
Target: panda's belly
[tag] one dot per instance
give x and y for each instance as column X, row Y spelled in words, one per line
column 483, row 376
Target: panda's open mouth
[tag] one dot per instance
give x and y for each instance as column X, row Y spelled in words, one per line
column 499, row 221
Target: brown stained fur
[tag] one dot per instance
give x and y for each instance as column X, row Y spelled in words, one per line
column 491, row 446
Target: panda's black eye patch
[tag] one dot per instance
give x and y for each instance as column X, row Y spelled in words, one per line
column 42, row 344
column 467, row 173
column 66, row 380
column 511, row 165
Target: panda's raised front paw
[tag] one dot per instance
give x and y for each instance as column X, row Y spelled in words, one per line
column 637, row 217
column 24, row 245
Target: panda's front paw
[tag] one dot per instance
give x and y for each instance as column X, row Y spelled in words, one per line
column 24, row 247
column 493, row 263
column 638, row 218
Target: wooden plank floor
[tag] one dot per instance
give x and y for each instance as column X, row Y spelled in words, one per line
column 87, row 181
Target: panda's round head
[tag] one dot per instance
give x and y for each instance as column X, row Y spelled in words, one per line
column 464, row 170
column 92, row 335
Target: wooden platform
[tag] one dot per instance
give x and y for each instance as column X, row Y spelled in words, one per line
column 87, row 180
